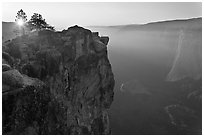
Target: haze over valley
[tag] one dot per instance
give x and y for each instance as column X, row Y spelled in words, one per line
column 153, row 65
column 143, row 77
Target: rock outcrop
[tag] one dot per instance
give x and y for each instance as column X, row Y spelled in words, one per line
column 74, row 87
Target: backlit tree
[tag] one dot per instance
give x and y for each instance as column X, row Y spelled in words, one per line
column 38, row 23
column 21, row 19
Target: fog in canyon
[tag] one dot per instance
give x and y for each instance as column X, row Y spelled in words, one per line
column 157, row 68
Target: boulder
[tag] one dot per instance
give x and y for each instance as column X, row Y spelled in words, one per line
column 99, row 46
column 6, row 57
column 24, row 109
column 12, row 78
column 6, row 67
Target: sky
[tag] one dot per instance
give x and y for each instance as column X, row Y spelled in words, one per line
column 65, row 14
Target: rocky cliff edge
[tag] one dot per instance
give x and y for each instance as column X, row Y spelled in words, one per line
column 57, row 83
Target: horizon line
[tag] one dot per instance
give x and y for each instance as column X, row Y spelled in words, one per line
column 118, row 25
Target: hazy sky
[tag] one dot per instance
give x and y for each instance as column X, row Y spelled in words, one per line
column 63, row 15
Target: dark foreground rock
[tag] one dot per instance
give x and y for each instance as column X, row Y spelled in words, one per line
column 25, row 108
column 65, row 87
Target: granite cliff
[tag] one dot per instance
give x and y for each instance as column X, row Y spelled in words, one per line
column 57, row 83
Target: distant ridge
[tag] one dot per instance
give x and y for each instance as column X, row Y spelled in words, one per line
column 177, row 20
column 198, row 19
column 9, row 28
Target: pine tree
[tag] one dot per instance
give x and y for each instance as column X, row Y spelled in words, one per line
column 37, row 22
column 21, row 19
column 21, row 16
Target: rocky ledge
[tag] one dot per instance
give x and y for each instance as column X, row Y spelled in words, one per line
column 57, row 83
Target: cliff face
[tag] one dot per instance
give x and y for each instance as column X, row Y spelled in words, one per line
column 76, row 87
column 188, row 59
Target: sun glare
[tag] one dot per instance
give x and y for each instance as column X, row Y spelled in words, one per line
column 20, row 22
